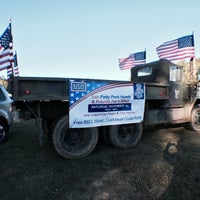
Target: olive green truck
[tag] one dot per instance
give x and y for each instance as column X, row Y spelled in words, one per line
column 74, row 112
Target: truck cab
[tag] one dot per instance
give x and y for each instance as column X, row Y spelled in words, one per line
column 170, row 99
column 163, row 72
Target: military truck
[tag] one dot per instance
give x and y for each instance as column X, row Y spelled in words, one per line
column 162, row 97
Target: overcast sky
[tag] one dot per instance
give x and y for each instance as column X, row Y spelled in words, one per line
column 85, row 38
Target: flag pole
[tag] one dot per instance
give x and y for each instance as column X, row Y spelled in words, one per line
column 192, row 64
column 11, row 53
column 194, row 61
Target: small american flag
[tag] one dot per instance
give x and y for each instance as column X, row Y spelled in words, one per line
column 132, row 60
column 177, row 49
column 6, row 49
column 15, row 70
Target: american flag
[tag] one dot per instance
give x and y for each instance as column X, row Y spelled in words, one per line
column 6, row 49
column 15, row 70
column 132, row 60
column 177, row 49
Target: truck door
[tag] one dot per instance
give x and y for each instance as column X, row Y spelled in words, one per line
column 176, row 87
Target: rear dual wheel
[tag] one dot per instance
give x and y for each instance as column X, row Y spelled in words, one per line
column 73, row 143
column 125, row 136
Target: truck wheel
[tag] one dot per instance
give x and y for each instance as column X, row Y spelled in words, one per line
column 2, row 134
column 195, row 120
column 125, row 136
column 73, row 143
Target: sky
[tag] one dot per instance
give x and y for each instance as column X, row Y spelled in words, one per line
column 85, row 38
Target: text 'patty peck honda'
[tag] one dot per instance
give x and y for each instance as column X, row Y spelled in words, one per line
column 6, row 113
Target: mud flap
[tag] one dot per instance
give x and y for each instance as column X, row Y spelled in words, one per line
column 39, row 126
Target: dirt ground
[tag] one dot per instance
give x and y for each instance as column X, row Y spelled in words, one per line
column 164, row 165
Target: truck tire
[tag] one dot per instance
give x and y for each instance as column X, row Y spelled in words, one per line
column 125, row 136
column 194, row 124
column 2, row 133
column 73, row 143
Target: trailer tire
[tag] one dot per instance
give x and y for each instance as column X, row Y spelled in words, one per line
column 125, row 136
column 194, row 123
column 73, row 143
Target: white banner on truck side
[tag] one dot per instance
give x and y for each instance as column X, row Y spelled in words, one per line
column 101, row 103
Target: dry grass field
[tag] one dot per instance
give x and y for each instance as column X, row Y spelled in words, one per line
column 164, row 165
